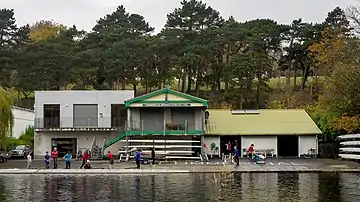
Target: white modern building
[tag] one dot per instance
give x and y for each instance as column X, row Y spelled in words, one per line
column 73, row 120
column 23, row 118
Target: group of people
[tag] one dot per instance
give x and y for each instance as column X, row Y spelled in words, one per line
column 236, row 153
column 85, row 159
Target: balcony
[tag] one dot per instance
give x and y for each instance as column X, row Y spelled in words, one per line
column 80, row 124
column 162, row 127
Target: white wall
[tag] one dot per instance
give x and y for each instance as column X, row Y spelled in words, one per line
column 260, row 142
column 42, row 140
column 208, row 140
column 23, row 118
column 307, row 142
column 67, row 99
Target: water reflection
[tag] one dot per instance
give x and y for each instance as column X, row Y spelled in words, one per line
column 288, row 186
column 329, row 186
column 180, row 187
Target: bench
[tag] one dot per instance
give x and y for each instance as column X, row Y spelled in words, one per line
column 182, row 157
column 265, row 152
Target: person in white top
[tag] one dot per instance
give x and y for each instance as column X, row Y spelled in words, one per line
column 29, row 160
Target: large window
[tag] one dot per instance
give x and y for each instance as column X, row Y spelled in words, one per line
column 85, row 116
column 51, row 116
column 118, row 115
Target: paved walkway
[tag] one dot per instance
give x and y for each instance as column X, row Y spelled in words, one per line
column 272, row 165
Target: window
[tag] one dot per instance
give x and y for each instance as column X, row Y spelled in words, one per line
column 85, row 115
column 52, row 116
column 118, row 115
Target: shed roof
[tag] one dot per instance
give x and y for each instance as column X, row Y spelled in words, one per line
column 267, row 122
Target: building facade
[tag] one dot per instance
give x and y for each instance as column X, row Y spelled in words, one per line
column 23, row 118
column 274, row 132
column 175, row 124
column 73, row 120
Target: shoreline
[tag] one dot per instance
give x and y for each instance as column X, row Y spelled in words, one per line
column 162, row 171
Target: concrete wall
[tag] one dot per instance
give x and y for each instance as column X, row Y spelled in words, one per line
column 260, row 142
column 307, row 142
column 42, row 140
column 208, row 140
column 66, row 100
column 23, row 118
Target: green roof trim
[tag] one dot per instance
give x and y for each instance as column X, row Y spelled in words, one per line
column 267, row 122
column 141, row 99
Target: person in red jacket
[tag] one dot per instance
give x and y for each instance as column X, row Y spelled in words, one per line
column 251, row 151
column 55, row 156
column 111, row 159
column 85, row 157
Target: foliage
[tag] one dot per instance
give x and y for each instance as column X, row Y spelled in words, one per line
column 27, row 137
column 7, row 98
column 44, row 30
column 232, row 64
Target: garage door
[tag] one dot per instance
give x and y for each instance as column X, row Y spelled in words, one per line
column 260, row 142
column 306, row 143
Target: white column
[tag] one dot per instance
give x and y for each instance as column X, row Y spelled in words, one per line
column 242, row 146
column 299, row 145
column 276, row 146
column 128, row 124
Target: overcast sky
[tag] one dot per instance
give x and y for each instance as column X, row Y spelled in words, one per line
column 84, row 13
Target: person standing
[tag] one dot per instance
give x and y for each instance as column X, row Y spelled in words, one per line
column 85, row 157
column 67, row 158
column 153, row 155
column 29, row 160
column 55, row 156
column 236, row 156
column 111, row 159
column 47, row 160
column 251, row 151
column 138, row 158
column 228, row 148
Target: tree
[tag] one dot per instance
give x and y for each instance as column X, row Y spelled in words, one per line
column 7, row 99
column 114, row 41
column 193, row 19
column 8, row 31
column 327, row 51
column 45, row 29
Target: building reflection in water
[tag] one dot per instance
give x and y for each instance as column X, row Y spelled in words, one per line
column 3, row 191
column 259, row 186
column 183, row 187
column 329, row 187
column 137, row 187
column 288, row 186
column 308, row 183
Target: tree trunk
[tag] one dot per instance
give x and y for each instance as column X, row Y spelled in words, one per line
column 135, row 89
column 226, row 75
column 295, row 76
column 241, row 99
column 179, row 84
column 199, row 77
column 305, row 75
column 189, row 79
column 183, row 84
column 258, row 91
column 288, row 75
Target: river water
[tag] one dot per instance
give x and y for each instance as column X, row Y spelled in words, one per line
column 183, row 187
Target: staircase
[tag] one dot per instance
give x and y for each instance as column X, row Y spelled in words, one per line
column 96, row 151
column 113, row 141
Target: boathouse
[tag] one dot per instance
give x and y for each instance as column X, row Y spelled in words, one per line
column 176, row 125
column 283, row 132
